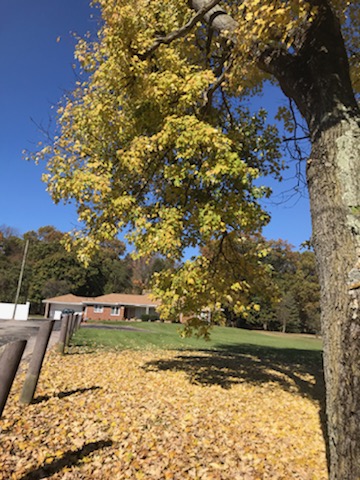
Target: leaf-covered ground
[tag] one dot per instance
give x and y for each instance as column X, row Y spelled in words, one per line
column 163, row 415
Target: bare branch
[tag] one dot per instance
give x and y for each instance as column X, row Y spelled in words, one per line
column 296, row 139
column 208, row 42
column 181, row 32
column 212, row 89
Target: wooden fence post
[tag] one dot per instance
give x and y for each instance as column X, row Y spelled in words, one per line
column 9, row 363
column 70, row 329
column 78, row 322
column 74, row 324
column 33, row 374
column 63, row 333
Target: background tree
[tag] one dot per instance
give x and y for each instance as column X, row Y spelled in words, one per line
column 11, row 254
column 116, row 272
column 51, row 270
column 296, row 305
column 155, row 137
column 306, row 291
column 143, row 269
column 287, row 314
column 283, row 262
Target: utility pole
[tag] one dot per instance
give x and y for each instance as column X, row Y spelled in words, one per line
column 20, row 277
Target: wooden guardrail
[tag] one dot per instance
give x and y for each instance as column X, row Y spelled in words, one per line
column 37, row 358
column 69, row 325
column 12, row 354
column 9, row 363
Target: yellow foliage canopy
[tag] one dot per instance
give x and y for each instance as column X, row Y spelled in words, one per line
column 155, row 138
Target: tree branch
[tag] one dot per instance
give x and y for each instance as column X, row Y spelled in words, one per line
column 208, row 94
column 181, row 32
column 216, row 17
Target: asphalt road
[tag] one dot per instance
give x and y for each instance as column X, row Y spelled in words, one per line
column 12, row 330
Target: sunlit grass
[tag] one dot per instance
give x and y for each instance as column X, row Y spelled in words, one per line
column 147, row 335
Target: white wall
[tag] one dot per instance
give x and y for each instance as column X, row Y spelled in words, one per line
column 7, row 311
column 55, row 312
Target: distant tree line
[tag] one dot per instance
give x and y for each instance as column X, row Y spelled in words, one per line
column 295, row 305
column 51, row 270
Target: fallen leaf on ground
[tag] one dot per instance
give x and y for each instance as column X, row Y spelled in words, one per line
column 116, row 415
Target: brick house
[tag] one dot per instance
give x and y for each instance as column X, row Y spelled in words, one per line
column 114, row 306
column 119, row 306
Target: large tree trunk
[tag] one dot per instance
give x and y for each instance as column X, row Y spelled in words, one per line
column 334, row 185
column 317, row 79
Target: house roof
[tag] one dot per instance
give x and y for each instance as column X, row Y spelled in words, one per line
column 67, row 299
column 110, row 299
column 123, row 299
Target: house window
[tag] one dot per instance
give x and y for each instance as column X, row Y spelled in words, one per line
column 115, row 310
column 98, row 308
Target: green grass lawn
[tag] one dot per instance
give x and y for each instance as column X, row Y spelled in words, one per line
column 147, row 335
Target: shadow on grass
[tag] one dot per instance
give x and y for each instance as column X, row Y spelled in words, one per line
column 70, row 458
column 68, row 393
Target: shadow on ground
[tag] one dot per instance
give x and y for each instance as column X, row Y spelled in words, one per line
column 229, row 365
column 69, row 459
column 68, row 393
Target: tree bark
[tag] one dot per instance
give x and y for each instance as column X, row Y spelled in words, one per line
column 333, row 177
column 317, row 79
column 334, row 185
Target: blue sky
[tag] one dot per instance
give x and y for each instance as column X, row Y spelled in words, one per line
column 36, row 70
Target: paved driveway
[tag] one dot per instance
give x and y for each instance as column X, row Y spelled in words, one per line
column 12, row 330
